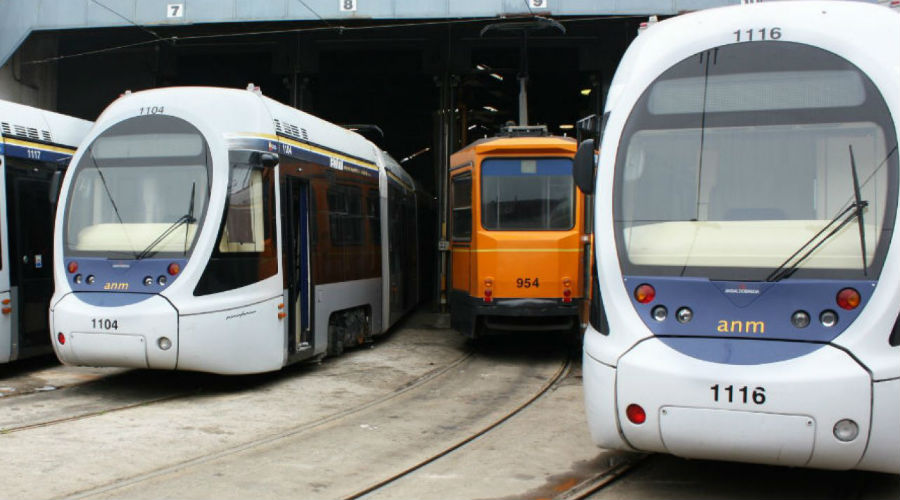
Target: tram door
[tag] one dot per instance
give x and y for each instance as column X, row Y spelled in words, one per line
column 30, row 226
column 297, row 264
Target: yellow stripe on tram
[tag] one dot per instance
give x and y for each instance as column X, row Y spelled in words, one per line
column 35, row 145
column 308, row 147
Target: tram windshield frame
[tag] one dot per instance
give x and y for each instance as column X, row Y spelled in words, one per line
column 141, row 189
column 734, row 157
column 505, row 179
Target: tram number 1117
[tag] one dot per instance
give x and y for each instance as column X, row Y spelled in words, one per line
column 741, row 394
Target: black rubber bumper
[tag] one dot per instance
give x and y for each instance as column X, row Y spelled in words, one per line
column 511, row 314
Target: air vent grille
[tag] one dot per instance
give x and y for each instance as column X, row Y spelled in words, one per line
column 291, row 130
column 26, row 132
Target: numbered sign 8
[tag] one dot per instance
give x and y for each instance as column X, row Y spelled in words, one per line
column 347, row 5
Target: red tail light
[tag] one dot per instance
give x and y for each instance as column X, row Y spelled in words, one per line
column 567, row 295
column 645, row 293
column 848, row 299
column 488, row 295
column 635, row 414
column 61, row 338
column 174, row 268
column 72, row 266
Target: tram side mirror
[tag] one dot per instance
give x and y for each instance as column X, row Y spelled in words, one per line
column 266, row 160
column 55, row 183
column 584, row 166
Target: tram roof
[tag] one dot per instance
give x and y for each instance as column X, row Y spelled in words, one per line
column 504, row 144
column 30, row 123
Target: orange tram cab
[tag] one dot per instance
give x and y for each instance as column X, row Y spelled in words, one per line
column 517, row 238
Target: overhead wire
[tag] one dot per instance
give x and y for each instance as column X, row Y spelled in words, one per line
column 528, row 6
column 329, row 27
column 315, row 13
column 121, row 16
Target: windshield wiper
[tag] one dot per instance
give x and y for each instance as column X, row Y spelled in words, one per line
column 106, row 188
column 860, row 205
column 191, row 215
column 855, row 210
column 187, row 218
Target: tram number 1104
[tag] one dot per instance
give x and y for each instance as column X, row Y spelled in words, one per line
column 105, row 323
column 741, row 394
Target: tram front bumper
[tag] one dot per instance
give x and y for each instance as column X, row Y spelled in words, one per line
column 522, row 314
column 782, row 413
column 133, row 334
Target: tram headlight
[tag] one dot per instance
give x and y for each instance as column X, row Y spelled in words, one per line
column 162, row 280
column 78, row 279
column 90, row 279
column 828, row 318
column 164, row 343
column 148, row 280
column 846, row 430
column 659, row 313
column 684, row 314
column 800, row 319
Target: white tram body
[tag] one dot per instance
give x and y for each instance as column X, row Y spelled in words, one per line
column 732, row 135
column 35, row 146
column 218, row 230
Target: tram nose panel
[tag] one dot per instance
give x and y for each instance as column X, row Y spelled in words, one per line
column 776, row 413
column 134, row 335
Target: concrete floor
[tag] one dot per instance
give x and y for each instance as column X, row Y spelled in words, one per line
column 330, row 430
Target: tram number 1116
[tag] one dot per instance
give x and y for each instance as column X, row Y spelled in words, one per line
column 741, row 394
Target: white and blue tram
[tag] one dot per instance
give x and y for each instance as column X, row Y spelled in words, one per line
column 35, row 146
column 747, row 263
column 218, row 230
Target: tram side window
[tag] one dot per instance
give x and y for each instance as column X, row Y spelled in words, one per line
column 345, row 218
column 374, row 216
column 461, row 198
column 244, row 225
column 246, row 250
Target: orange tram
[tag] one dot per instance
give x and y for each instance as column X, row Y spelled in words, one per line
column 517, row 234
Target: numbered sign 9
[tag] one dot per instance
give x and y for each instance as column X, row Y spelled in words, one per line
column 347, row 5
column 539, row 4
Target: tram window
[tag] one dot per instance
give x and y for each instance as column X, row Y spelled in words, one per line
column 244, row 225
column 725, row 169
column 345, row 219
column 372, row 213
column 527, row 194
column 246, row 250
column 461, row 197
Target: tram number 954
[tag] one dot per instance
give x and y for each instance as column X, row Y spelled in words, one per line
column 105, row 323
column 743, row 394
column 528, row 282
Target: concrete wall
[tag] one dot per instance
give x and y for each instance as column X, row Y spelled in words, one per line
column 31, row 84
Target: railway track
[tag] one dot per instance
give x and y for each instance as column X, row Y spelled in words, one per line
column 306, row 427
column 619, row 464
column 340, row 431
column 560, row 374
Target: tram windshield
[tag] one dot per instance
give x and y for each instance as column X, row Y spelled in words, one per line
column 527, row 194
column 140, row 190
column 736, row 157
